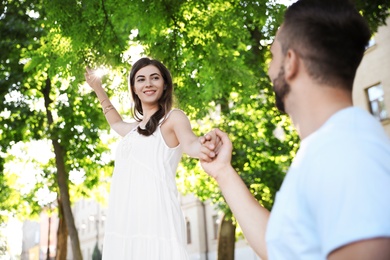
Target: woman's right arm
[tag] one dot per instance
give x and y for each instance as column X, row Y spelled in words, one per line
column 112, row 116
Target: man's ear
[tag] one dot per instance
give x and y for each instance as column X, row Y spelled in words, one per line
column 291, row 64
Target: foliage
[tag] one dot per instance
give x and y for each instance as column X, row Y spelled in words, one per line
column 219, row 69
column 41, row 101
column 375, row 12
column 216, row 50
column 35, row 50
column 18, row 31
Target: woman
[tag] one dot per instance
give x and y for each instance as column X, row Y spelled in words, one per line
column 144, row 216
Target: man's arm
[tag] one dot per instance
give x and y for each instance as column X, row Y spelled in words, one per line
column 251, row 216
column 376, row 248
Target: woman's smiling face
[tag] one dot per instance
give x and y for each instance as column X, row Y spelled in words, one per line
column 149, row 84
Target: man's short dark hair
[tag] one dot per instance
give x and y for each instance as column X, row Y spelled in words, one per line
column 329, row 35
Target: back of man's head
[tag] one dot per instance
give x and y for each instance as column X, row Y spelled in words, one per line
column 329, row 35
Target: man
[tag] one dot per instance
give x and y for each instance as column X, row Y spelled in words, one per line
column 335, row 200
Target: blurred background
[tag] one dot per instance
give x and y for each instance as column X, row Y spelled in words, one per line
column 57, row 151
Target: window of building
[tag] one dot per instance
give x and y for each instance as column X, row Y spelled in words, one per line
column 83, row 227
column 89, row 225
column 103, row 219
column 371, row 43
column 216, row 222
column 36, row 237
column 188, row 225
column 375, row 97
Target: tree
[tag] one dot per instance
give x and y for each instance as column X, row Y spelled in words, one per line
column 41, row 67
column 18, row 30
column 217, row 52
column 375, row 12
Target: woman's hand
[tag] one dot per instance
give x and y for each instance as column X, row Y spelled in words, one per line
column 212, row 142
column 94, row 81
column 223, row 153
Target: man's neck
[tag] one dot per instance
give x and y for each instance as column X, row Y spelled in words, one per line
column 309, row 114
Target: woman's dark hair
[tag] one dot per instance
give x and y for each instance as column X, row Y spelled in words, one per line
column 164, row 103
column 329, row 35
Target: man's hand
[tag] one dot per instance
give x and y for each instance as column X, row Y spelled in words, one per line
column 223, row 152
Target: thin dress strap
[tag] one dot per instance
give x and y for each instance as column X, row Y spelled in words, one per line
column 167, row 115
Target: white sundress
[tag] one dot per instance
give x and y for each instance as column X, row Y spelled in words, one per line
column 144, row 220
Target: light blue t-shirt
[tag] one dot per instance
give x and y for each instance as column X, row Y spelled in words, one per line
column 337, row 190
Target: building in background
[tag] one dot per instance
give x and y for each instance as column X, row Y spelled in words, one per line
column 40, row 238
column 201, row 218
column 202, row 222
column 89, row 218
column 30, row 241
column 372, row 82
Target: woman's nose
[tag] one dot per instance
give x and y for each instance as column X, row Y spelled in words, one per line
column 148, row 83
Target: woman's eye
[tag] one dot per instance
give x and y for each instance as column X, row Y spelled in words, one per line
column 140, row 80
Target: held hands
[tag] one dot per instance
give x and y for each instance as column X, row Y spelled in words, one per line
column 209, row 145
column 220, row 156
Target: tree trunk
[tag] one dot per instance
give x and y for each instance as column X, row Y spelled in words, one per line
column 226, row 240
column 62, row 234
column 62, row 178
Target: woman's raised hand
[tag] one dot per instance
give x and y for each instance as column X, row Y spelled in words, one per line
column 93, row 80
